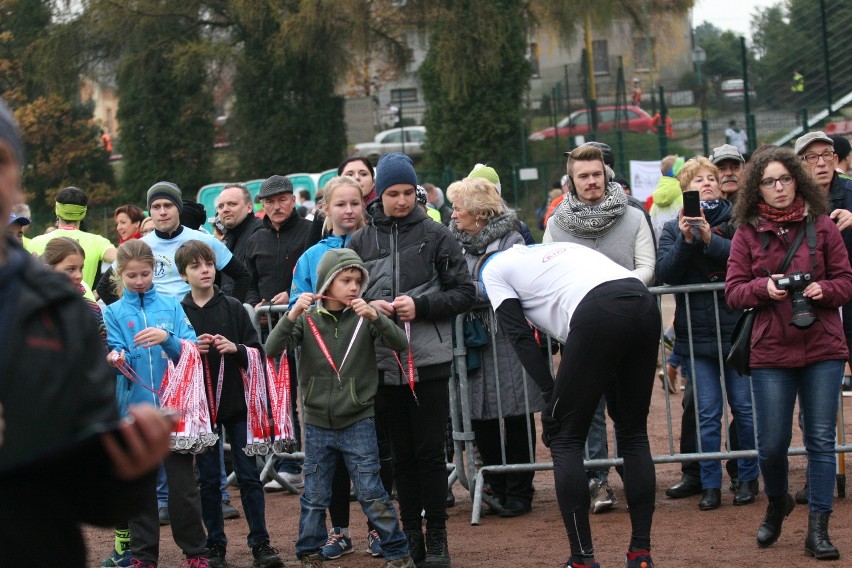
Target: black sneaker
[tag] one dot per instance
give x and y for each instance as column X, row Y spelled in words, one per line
column 265, row 556
column 216, row 555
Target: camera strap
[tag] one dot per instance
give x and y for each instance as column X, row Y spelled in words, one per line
column 811, row 233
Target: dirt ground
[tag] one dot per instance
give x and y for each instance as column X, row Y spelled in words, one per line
column 682, row 535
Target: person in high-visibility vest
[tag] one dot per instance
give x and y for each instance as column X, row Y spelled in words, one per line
column 798, row 85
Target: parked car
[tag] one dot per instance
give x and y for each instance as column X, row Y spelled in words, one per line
column 631, row 118
column 392, row 141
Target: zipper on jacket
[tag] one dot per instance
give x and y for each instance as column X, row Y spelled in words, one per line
column 150, row 360
column 394, row 243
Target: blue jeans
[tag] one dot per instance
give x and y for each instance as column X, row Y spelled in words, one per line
column 818, row 387
column 357, row 444
column 709, row 398
column 251, row 489
column 596, row 442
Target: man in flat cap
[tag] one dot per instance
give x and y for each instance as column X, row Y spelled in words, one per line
column 731, row 164
column 816, row 150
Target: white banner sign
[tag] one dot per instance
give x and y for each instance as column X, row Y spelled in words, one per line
column 643, row 178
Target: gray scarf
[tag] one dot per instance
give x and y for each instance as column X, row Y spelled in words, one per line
column 493, row 230
column 591, row 221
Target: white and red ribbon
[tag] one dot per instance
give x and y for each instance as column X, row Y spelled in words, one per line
column 182, row 389
column 410, row 375
column 283, row 438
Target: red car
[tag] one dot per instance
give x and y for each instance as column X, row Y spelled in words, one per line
column 631, row 118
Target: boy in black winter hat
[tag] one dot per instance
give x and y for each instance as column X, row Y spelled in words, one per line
column 419, row 279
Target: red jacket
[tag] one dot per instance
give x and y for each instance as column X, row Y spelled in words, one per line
column 775, row 342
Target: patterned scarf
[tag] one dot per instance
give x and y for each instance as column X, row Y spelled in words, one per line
column 795, row 212
column 591, row 221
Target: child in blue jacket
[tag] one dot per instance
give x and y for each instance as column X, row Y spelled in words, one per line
column 144, row 329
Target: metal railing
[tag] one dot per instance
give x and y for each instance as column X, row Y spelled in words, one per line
column 466, row 469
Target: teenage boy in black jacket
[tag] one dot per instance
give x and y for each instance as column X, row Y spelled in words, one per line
column 224, row 333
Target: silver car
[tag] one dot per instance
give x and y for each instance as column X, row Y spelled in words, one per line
column 408, row 139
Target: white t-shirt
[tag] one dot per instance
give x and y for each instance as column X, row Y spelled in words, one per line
column 737, row 138
column 550, row 280
column 166, row 276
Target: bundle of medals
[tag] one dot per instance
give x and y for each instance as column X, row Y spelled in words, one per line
column 283, row 439
column 182, row 389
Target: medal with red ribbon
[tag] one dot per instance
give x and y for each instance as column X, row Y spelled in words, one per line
column 258, row 432
column 182, row 389
column 283, row 439
column 410, row 375
column 324, row 348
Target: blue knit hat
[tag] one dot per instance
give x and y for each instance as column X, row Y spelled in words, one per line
column 392, row 169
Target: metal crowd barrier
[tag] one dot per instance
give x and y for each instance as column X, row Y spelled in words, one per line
column 269, row 461
column 465, row 469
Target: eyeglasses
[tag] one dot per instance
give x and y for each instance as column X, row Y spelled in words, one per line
column 827, row 156
column 769, row 183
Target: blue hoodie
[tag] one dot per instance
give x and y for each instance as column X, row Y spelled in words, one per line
column 305, row 273
column 127, row 317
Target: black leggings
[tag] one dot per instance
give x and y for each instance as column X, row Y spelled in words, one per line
column 611, row 350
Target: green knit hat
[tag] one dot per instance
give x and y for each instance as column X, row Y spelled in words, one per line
column 481, row 171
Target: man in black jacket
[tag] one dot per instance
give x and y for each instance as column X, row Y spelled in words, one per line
column 236, row 212
column 58, row 402
column 272, row 251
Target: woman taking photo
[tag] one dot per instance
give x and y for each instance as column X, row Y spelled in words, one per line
column 694, row 250
column 483, row 224
column 797, row 352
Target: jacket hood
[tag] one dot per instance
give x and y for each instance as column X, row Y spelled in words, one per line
column 667, row 192
column 377, row 212
column 188, row 302
column 332, row 263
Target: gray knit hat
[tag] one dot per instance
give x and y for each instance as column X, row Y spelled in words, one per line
column 273, row 186
column 165, row 190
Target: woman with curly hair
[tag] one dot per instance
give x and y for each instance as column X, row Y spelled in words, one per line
column 798, row 349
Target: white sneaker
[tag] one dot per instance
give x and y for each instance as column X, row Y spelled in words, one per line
column 605, row 500
column 273, row 486
column 297, row 480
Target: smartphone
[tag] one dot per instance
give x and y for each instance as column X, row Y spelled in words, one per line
column 691, row 204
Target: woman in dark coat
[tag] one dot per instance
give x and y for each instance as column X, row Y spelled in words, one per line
column 694, row 250
column 483, row 224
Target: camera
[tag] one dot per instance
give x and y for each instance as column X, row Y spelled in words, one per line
column 803, row 313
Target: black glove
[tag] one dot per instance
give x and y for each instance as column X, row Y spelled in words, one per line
column 550, row 427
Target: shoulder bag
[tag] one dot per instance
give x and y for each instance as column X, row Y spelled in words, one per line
column 740, row 353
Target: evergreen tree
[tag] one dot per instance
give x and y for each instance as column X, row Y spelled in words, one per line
column 286, row 117
column 166, row 109
column 473, row 78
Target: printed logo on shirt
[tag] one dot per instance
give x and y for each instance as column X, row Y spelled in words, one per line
column 553, row 254
column 162, row 264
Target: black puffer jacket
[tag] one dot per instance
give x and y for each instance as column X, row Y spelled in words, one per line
column 417, row 257
column 271, row 257
column 679, row 262
column 55, row 387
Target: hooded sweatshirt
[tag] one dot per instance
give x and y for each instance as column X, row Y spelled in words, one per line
column 668, row 200
column 225, row 316
column 330, row 400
